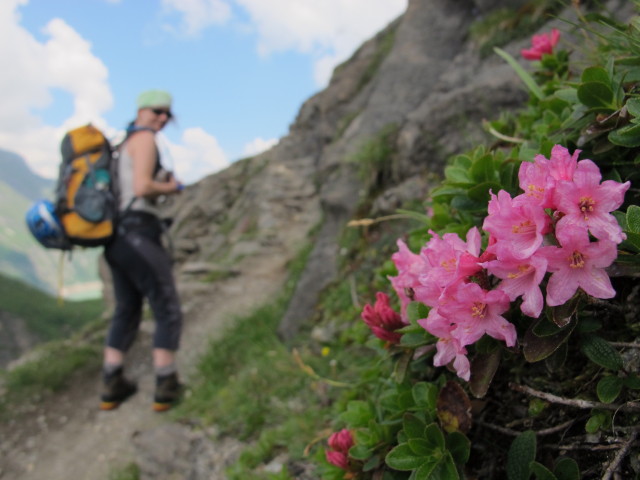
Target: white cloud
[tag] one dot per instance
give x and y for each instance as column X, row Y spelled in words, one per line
column 198, row 155
column 258, row 145
column 65, row 62
column 329, row 30
column 197, row 14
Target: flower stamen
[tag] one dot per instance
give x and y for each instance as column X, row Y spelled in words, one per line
column 576, row 260
column 479, row 309
column 586, row 205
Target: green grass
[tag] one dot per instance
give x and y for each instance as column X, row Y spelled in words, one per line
column 46, row 317
column 126, row 472
column 50, row 370
column 250, row 385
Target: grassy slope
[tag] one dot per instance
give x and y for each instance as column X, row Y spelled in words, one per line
column 45, row 316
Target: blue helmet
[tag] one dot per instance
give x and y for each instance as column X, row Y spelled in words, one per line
column 45, row 225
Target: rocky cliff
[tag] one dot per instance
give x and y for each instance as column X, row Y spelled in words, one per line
column 420, row 84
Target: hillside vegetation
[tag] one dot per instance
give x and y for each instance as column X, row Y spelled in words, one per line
column 21, row 256
column 451, row 375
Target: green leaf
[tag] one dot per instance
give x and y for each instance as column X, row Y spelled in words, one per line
column 457, row 175
column 426, row 470
column 483, row 368
column 446, row 191
column 481, row 193
column 405, row 400
column 627, row 136
column 417, row 311
column 555, row 362
column 371, row 464
column 536, row 348
column 358, row 414
column 459, row 446
column 483, row 170
column 415, row 338
column 633, row 106
column 600, row 352
column 401, row 366
column 402, row 458
column 412, row 426
column 425, row 395
column 632, row 382
column 596, row 95
column 521, row 453
column 445, row 469
column 567, row 469
column 595, row 74
column 597, row 421
column 522, row 73
column 569, row 95
column 633, row 219
column 360, row 452
column 420, row 446
column 609, row 388
column 541, row 472
column 435, row 437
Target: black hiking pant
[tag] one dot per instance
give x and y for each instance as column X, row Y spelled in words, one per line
column 141, row 268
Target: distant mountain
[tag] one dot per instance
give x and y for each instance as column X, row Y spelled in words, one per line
column 21, row 256
column 16, row 173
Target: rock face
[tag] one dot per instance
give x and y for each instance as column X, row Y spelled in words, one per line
column 419, row 80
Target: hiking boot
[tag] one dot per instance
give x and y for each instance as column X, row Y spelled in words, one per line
column 116, row 390
column 168, row 392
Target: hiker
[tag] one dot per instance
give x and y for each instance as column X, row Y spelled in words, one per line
column 140, row 266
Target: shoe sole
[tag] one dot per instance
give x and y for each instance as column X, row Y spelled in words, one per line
column 106, row 406
column 161, row 407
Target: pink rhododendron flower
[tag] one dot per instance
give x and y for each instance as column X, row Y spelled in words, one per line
column 475, row 311
column 410, row 266
column 562, row 164
column 587, row 202
column 382, row 319
column 341, row 441
column 536, row 182
column 339, row 445
column 451, row 260
column 521, row 278
column 516, row 223
column 578, row 263
column 541, row 44
column 448, row 347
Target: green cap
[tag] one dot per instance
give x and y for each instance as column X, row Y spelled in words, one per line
column 154, row 98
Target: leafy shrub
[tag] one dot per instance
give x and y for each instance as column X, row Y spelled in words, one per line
column 416, row 421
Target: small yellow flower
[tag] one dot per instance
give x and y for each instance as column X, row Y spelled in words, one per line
column 325, row 351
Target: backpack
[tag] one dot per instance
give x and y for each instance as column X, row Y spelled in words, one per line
column 86, row 195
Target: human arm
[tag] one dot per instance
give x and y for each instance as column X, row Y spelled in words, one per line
column 143, row 151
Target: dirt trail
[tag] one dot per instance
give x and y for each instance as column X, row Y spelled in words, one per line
column 70, row 438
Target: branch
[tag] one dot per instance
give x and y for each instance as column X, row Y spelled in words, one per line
column 573, row 402
column 624, row 344
column 615, row 463
column 515, row 433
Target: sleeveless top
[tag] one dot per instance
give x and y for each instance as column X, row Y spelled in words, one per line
column 128, row 200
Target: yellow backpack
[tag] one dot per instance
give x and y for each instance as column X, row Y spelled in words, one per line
column 86, row 199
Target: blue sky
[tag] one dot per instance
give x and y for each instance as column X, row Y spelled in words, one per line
column 239, row 70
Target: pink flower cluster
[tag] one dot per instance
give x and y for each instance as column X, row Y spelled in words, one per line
column 547, row 229
column 339, row 444
column 382, row 319
column 541, row 44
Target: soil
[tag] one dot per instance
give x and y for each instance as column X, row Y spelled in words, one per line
column 67, row 436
